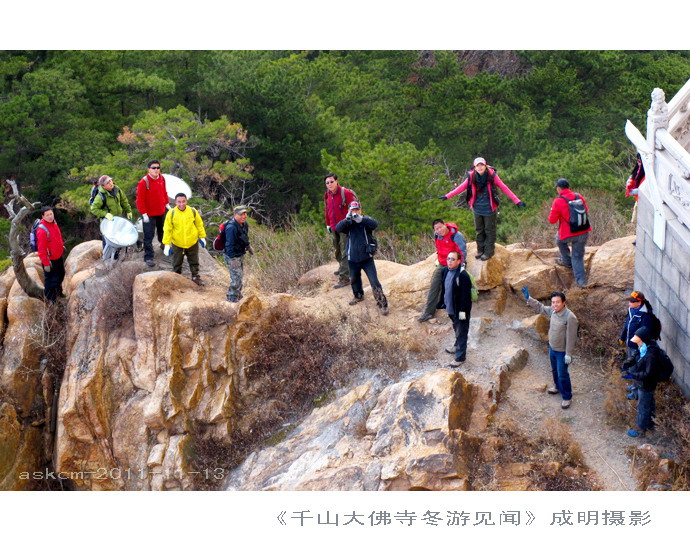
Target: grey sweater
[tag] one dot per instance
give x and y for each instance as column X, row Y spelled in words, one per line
column 562, row 328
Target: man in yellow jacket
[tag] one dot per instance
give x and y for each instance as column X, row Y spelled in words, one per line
column 183, row 232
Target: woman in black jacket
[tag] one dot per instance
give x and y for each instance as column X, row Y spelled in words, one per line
column 360, row 257
column 646, row 373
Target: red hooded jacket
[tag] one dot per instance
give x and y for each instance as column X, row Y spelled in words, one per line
column 452, row 242
column 470, row 183
column 153, row 200
column 49, row 250
column 561, row 211
column 334, row 208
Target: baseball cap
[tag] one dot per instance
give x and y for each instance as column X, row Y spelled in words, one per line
column 354, row 205
column 479, row 160
column 636, row 296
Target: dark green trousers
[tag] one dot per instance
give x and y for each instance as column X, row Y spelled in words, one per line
column 192, row 254
column 486, row 233
column 434, row 291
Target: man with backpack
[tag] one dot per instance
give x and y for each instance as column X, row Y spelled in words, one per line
column 447, row 238
column 482, row 183
column 236, row 232
column 152, row 204
column 183, row 233
column 562, row 338
column 570, row 211
column 652, row 368
column 337, row 200
column 456, row 298
column 51, row 249
column 360, row 250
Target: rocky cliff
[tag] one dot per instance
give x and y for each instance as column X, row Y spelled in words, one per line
column 160, row 379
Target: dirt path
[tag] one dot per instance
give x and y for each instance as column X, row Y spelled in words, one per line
column 526, row 402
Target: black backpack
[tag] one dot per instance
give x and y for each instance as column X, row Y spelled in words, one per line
column 655, row 326
column 664, row 368
column 94, row 193
column 490, row 182
column 579, row 219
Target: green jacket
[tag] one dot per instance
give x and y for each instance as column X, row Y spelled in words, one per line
column 115, row 202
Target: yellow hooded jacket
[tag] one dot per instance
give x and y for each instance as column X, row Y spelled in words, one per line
column 183, row 228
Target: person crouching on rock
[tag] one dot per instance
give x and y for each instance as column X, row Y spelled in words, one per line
column 360, row 250
column 645, row 372
column 456, row 298
column 183, row 232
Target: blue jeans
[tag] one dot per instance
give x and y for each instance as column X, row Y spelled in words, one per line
column 577, row 260
column 645, row 409
column 559, row 370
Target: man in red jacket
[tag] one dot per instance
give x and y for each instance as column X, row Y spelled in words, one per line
column 152, row 204
column 560, row 213
column 448, row 239
column 50, row 251
column 336, row 204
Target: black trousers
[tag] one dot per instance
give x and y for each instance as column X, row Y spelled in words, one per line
column 155, row 225
column 369, row 267
column 53, row 279
column 461, row 328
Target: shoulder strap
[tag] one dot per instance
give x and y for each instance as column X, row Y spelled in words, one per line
column 45, row 229
column 146, row 179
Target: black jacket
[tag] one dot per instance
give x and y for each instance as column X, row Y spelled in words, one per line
column 236, row 238
column 462, row 291
column 646, row 369
column 357, row 235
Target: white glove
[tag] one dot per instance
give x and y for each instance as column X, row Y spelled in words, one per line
column 568, row 359
column 463, row 316
column 145, row 217
column 168, row 206
column 167, row 250
column 328, row 228
column 202, row 242
column 357, row 217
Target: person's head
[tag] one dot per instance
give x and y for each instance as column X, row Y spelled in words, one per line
column 480, row 165
column 643, row 335
column 557, row 301
column 181, row 201
column 562, row 184
column 331, row 181
column 106, row 182
column 454, row 260
column 240, row 214
column 355, row 207
column 154, row 168
column 440, row 228
column 47, row 214
column 636, row 299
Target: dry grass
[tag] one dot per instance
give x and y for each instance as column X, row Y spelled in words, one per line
column 296, row 367
column 557, row 463
column 608, row 223
column 117, row 303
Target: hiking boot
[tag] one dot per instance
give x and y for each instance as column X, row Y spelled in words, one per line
column 553, row 390
column 342, row 283
column 198, row 281
column 456, row 364
column 478, row 255
column 425, row 317
column 560, row 263
column 565, row 404
column 485, row 257
column 150, row 263
column 383, row 310
column 355, row 301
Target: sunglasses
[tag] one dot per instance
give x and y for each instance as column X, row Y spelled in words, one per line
column 154, row 167
column 330, row 182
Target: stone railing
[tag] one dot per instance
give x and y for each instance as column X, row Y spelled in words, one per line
column 666, row 159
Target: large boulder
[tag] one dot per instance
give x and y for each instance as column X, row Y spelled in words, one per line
column 614, row 264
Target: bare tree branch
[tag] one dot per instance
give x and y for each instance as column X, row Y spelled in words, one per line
column 31, row 288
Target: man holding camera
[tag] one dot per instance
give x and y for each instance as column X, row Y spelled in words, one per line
column 360, row 251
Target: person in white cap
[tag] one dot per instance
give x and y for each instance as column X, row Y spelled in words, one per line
column 481, row 184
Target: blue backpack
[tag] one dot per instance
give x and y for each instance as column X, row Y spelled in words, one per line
column 32, row 236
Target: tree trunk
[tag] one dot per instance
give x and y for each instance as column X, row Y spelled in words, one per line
column 31, row 288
